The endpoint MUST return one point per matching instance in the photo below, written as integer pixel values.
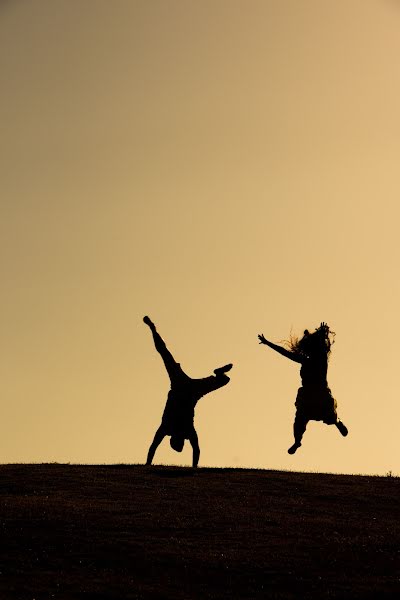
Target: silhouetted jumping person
(314, 400)
(178, 416)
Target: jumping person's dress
(314, 401)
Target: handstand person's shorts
(178, 426)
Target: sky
(227, 167)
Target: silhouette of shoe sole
(342, 428)
(223, 369)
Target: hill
(129, 532)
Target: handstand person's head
(176, 442)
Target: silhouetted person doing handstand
(178, 416)
(314, 400)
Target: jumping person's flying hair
(314, 400)
(178, 416)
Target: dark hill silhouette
(125, 532)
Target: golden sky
(227, 167)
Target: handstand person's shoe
(150, 323)
(342, 428)
(223, 369)
(293, 448)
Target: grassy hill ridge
(130, 532)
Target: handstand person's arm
(194, 440)
(158, 438)
(287, 353)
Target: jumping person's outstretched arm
(292, 355)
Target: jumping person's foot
(293, 448)
(342, 428)
(223, 369)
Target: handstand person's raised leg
(170, 363)
(158, 438)
(213, 382)
(299, 427)
(194, 440)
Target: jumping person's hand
(262, 339)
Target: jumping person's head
(311, 344)
(176, 442)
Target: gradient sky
(227, 167)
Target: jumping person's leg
(299, 427)
(194, 440)
(158, 438)
(329, 414)
(170, 363)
